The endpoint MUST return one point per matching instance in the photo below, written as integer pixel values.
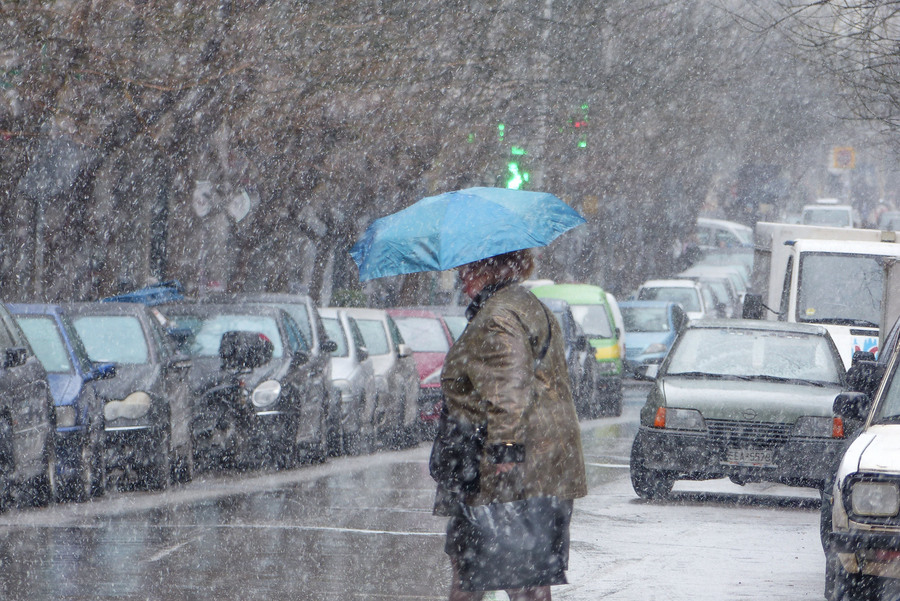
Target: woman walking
(507, 376)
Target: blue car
(80, 452)
(650, 330)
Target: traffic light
(516, 176)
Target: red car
(430, 339)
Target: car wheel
(648, 483)
(159, 472)
(841, 585)
(46, 485)
(78, 487)
(7, 464)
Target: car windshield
(423, 334)
(645, 319)
(594, 320)
(456, 324)
(335, 332)
(755, 353)
(113, 338)
(207, 331)
(859, 278)
(373, 333)
(47, 342)
(688, 298)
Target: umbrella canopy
(455, 228)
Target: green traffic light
(517, 178)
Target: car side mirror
(181, 337)
(404, 350)
(15, 357)
(753, 307)
(329, 346)
(581, 343)
(362, 353)
(646, 372)
(245, 350)
(865, 375)
(862, 356)
(852, 407)
(102, 371)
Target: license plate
(754, 457)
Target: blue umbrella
(455, 228)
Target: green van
(593, 311)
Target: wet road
(361, 528)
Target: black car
(581, 362)
(249, 412)
(302, 308)
(27, 421)
(147, 406)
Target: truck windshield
(842, 289)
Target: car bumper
(429, 404)
(805, 462)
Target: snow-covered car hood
(752, 400)
(877, 450)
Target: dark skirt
(523, 569)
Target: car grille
(760, 435)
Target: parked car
(430, 339)
(265, 409)
(743, 399)
(397, 415)
(831, 215)
(696, 301)
(147, 406)
(80, 444)
(354, 377)
(27, 421)
(889, 220)
(579, 358)
(591, 307)
(650, 329)
(726, 303)
(720, 233)
(860, 518)
(305, 313)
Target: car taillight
(660, 421)
(837, 428)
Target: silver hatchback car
(397, 416)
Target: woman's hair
(513, 266)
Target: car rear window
(207, 331)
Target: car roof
(411, 312)
(367, 313)
(555, 303)
(209, 308)
(761, 325)
(576, 294)
(259, 297)
(671, 283)
(34, 308)
(646, 303)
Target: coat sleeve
(502, 373)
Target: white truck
(830, 276)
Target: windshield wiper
(766, 378)
(843, 321)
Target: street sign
(843, 158)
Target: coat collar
(482, 297)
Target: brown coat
(489, 376)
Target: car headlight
(134, 406)
(434, 378)
(679, 419)
(656, 347)
(266, 393)
(819, 427)
(65, 416)
(875, 499)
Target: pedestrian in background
(507, 376)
